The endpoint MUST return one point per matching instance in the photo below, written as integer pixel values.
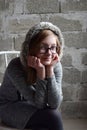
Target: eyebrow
(48, 45)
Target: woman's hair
(32, 43)
(37, 39)
(34, 48)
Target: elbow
(60, 99)
(56, 103)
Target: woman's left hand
(55, 60)
(35, 63)
(49, 68)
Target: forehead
(49, 40)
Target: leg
(49, 119)
(39, 129)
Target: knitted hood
(34, 31)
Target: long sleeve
(54, 87)
(36, 93)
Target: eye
(42, 47)
(53, 48)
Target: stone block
(11, 6)
(71, 75)
(44, 17)
(41, 6)
(71, 109)
(84, 58)
(14, 7)
(2, 64)
(22, 24)
(18, 42)
(77, 40)
(19, 7)
(66, 60)
(1, 77)
(82, 92)
(68, 93)
(2, 5)
(7, 6)
(73, 5)
(6, 44)
(66, 22)
(84, 76)
(0, 23)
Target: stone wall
(17, 16)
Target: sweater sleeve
(54, 87)
(34, 94)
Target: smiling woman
(31, 90)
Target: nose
(48, 51)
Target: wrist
(41, 73)
(49, 71)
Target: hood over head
(34, 31)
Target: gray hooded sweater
(19, 100)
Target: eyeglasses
(44, 49)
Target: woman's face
(47, 49)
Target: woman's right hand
(35, 63)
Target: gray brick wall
(17, 16)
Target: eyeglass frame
(45, 49)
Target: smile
(47, 59)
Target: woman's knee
(54, 113)
(55, 119)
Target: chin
(46, 63)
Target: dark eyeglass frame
(45, 49)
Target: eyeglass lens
(44, 49)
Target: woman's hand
(55, 60)
(49, 68)
(35, 63)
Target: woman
(31, 91)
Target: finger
(35, 61)
(38, 61)
(55, 57)
(31, 61)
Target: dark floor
(69, 124)
(75, 124)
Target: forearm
(41, 73)
(49, 71)
(54, 92)
(54, 86)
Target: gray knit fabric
(19, 101)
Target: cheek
(41, 57)
(38, 56)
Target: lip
(47, 59)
